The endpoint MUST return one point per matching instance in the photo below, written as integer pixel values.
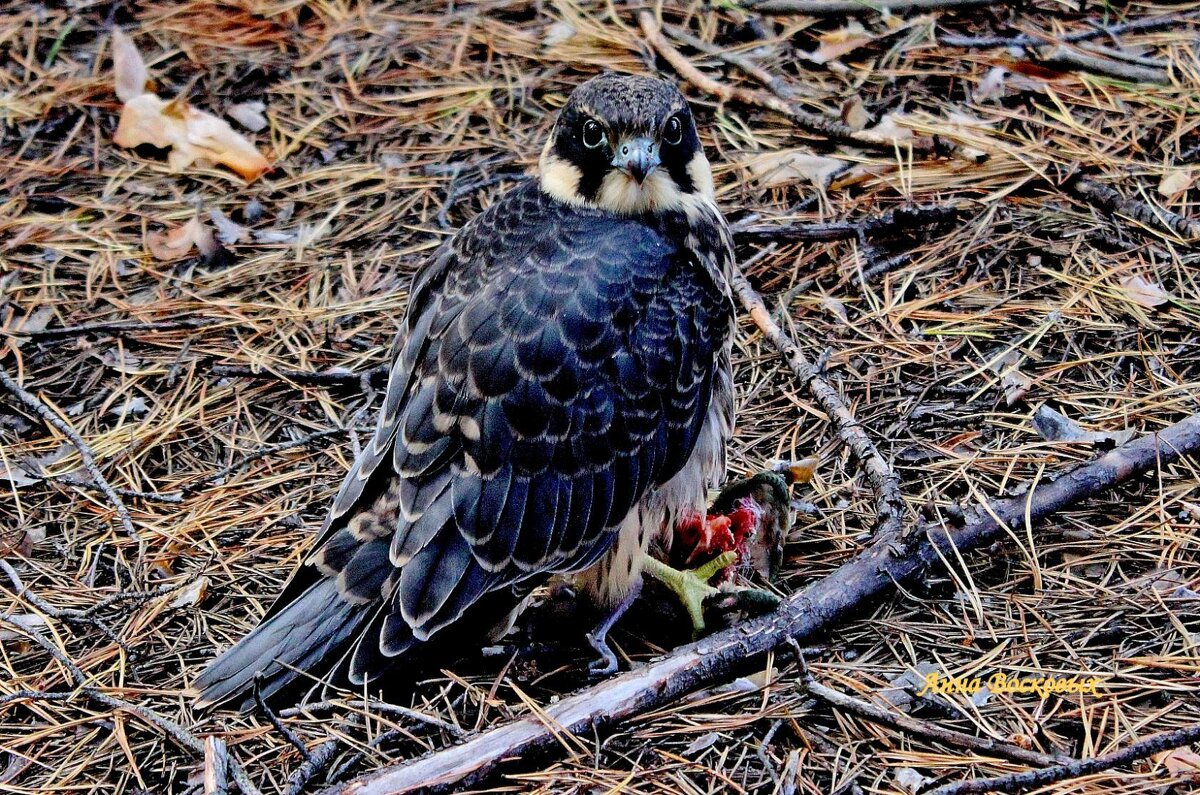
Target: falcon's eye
(673, 132)
(593, 134)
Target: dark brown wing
(554, 364)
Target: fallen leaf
(192, 135)
(178, 242)
(249, 115)
(701, 743)
(20, 541)
(1175, 182)
(802, 471)
(130, 75)
(786, 166)
(890, 128)
(192, 595)
(992, 84)
(840, 42)
(1181, 763)
(836, 308)
(228, 232)
(854, 113)
(28, 622)
(558, 33)
(1054, 426)
(909, 780)
(15, 475)
(1144, 292)
(1014, 382)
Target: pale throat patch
(620, 193)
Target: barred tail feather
(309, 630)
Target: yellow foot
(690, 585)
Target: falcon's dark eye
(673, 132)
(593, 134)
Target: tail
(309, 630)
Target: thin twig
(825, 8)
(261, 452)
(113, 327)
(820, 125)
(1018, 782)
(899, 220)
(372, 706)
(274, 720)
(889, 502)
(1109, 200)
(907, 723)
(1096, 63)
(39, 407)
(315, 762)
(773, 83)
(341, 377)
(1030, 40)
(170, 498)
(169, 727)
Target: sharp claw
(607, 662)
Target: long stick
(1019, 782)
(820, 606)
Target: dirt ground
(221, 394)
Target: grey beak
(637, 157)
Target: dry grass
(390, 125)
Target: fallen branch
(39, 407)
(907, 723)
(820, 125)
(117, 327)
(899, 220)
(861, 582)
(1111, 201)
(773, 83)
(375, 377)
(1096, 63)
(1016, 782)
(826, 8)
(1029, 40)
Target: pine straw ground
(388, 127)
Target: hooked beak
(637, 157)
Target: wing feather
(554, 365)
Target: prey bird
(560, 394)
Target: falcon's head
(627, 144)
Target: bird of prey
(560, 392)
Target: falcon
(560, 394)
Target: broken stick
(820, 606)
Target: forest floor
(220, 394)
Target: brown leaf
(786, 166)
(840, 42)
(1175, 181)
(249, 115)
(1014, 382)
(1054, 426)
(1181, 763)
(854, 114)
(802, 471)
(178, 242)
(130, 75)
(192, 595)
(1144, 292)
(192, 135)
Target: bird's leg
(598, 637)
(690, 585)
